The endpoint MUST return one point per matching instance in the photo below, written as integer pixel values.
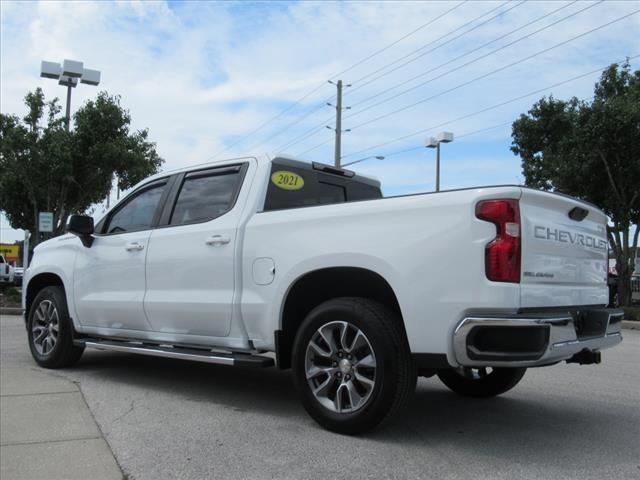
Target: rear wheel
(50, 330)
(481, 381)
(351, 365)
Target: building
(11, 252)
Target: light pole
(434, 142)
(377, 157)
(68, 75)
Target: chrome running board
(193, 354)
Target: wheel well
(318, 286)
(36, 284)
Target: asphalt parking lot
(174, 419)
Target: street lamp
(434, 142)
(68, 75)
(377, 157)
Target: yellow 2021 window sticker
(287, 180)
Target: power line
(308, 133)
(420, 147)
(264, 124)
(377, 52)
(297, 102)
(458, 137)
(464, 55)
(483, 110)
(298, 120)
(438, 46)
(406, 107)
(485, 129)
(313, 148)
(318, 128)
(321, 126)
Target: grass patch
(10, 297)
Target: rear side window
(329, 193)
(137, 213)
(293, 187)
(362, 191)
(205, 196)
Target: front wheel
(482, 381)
(351, 365)
(50, 330)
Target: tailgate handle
(578, 213)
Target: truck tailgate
(564, 251)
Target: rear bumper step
(193, 354)
(523, 340)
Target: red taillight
(502, 254)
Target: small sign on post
(45, 221)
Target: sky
(201, 76)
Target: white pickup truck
(233, 261)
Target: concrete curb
(10, 311)
(630, 325)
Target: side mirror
(82, 226)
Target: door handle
(133, 246)
(217, 240)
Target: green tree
(591, 150)
(46, 168)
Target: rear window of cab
(291, 186)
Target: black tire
(394, 377)
(63, 353)
(467, 382)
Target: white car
(358, 294)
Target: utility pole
(338, 129)
(438, 167)
(338, 153)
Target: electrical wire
(499, 14)
(378, 52)
(272, 119)
(318, 128)
(483, 110)
(308, 133)
(313, 148)
(464, 55)
(297, 102)
(288, 126)
(468, 82)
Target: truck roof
(280, 159)
(323, 167)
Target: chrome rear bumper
(529, 340)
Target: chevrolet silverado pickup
(279, 262)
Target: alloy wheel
(340, 367)
(46, 324)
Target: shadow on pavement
(508, 426)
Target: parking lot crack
(129, 410)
